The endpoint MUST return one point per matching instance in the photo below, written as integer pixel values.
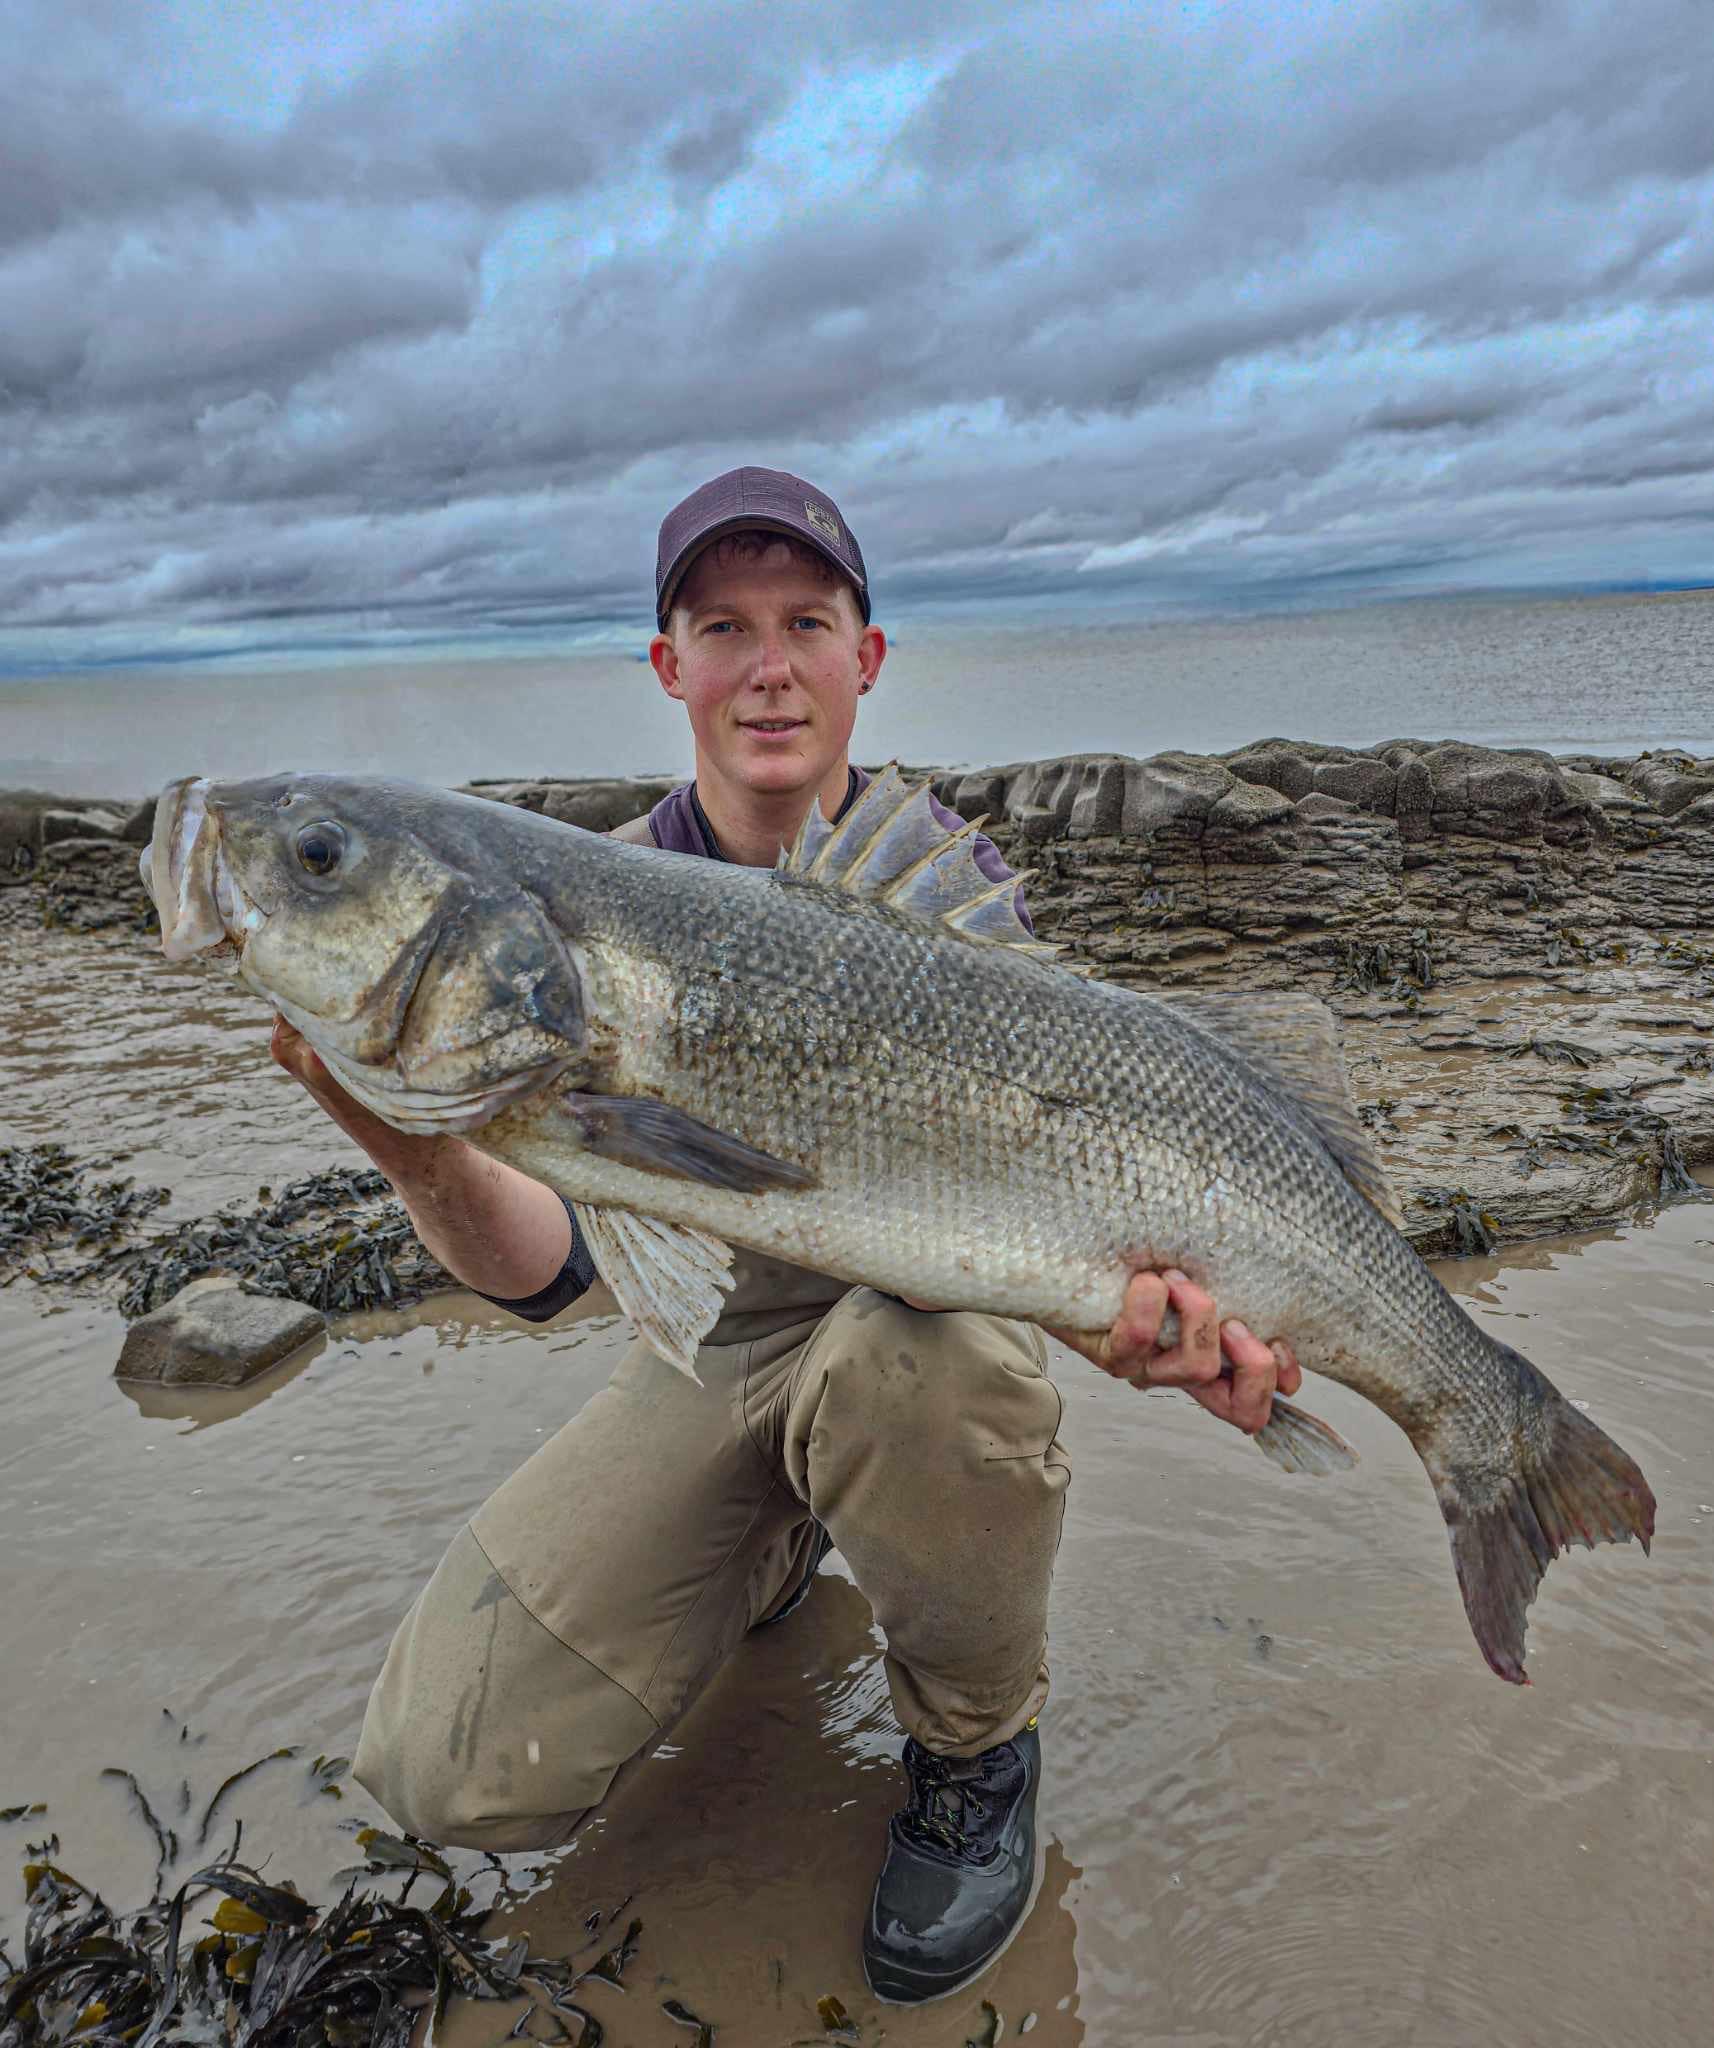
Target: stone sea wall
(1520, 947)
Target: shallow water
(1285, 1801)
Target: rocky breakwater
(1520, 947)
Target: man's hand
(1223, 1366)
(489, 1225)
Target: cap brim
(751, 522)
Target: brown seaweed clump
(269, 1969)
(47, 1199)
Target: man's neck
(751, 827)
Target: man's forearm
(489, 1225)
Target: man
(589, 1601)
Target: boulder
(1275, 764)
(214, 1334)
(139, 826)
(1173, 790)
(1672, 782)
(1368, 785)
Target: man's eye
(805, 620)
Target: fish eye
(319, 847)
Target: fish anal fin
(667, 1278)
(654, 1137)
(1299, 1442)
(892, 848)
(1293, 1042)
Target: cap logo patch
(824, 521)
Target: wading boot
(960, 1871)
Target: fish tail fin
(1297, 1442)
(1569, 1484)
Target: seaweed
(366, 1256)
(47, 1199)
(272, 1969)
(1473, 1229)
(1377, 969)
(1560, 1051)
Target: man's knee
(909, 1378)
(484, 1729)
(943, 1357)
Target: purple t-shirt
(680, 825)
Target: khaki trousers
(585, 1606)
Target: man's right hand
(392, 1151)
(488, 1224)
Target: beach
(1284, 1799)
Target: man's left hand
(1225, 1367)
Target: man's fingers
(1291, 1373)
(1132, 1337)
(1255, 1372)
(1195, 1361)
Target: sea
(1612, 674)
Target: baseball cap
(771, 499)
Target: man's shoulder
(637, 831)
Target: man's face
(769, 660)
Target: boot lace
(957, 1803)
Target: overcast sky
(341, 323)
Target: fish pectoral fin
(1293, 1042)
(667, 1278)
(654, 1137)
(1297, 1442)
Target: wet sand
(1284, 1802)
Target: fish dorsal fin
(1294, 1043)
(891, 848)
(667, 1277)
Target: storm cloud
(403, 324)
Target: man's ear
(663, 659)
(871, 652)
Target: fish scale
(862, 1062)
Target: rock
(94, 823)
(213, 1334)
(1275, 764)
(1171, 790)
(1319, 804)
(1671, 783)
(596, 806)
(1246, 805)
(139, 827)
(1369, 785)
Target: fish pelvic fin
(1298, 1442)
(1292, 1041)
(891, 848)
(1571, 1484)
(668, 1278)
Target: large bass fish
(862, 1063)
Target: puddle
(1284, 1799)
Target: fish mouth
(199, 900)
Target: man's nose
(773, 661)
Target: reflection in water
(203, 1407)
(1285, 1801)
